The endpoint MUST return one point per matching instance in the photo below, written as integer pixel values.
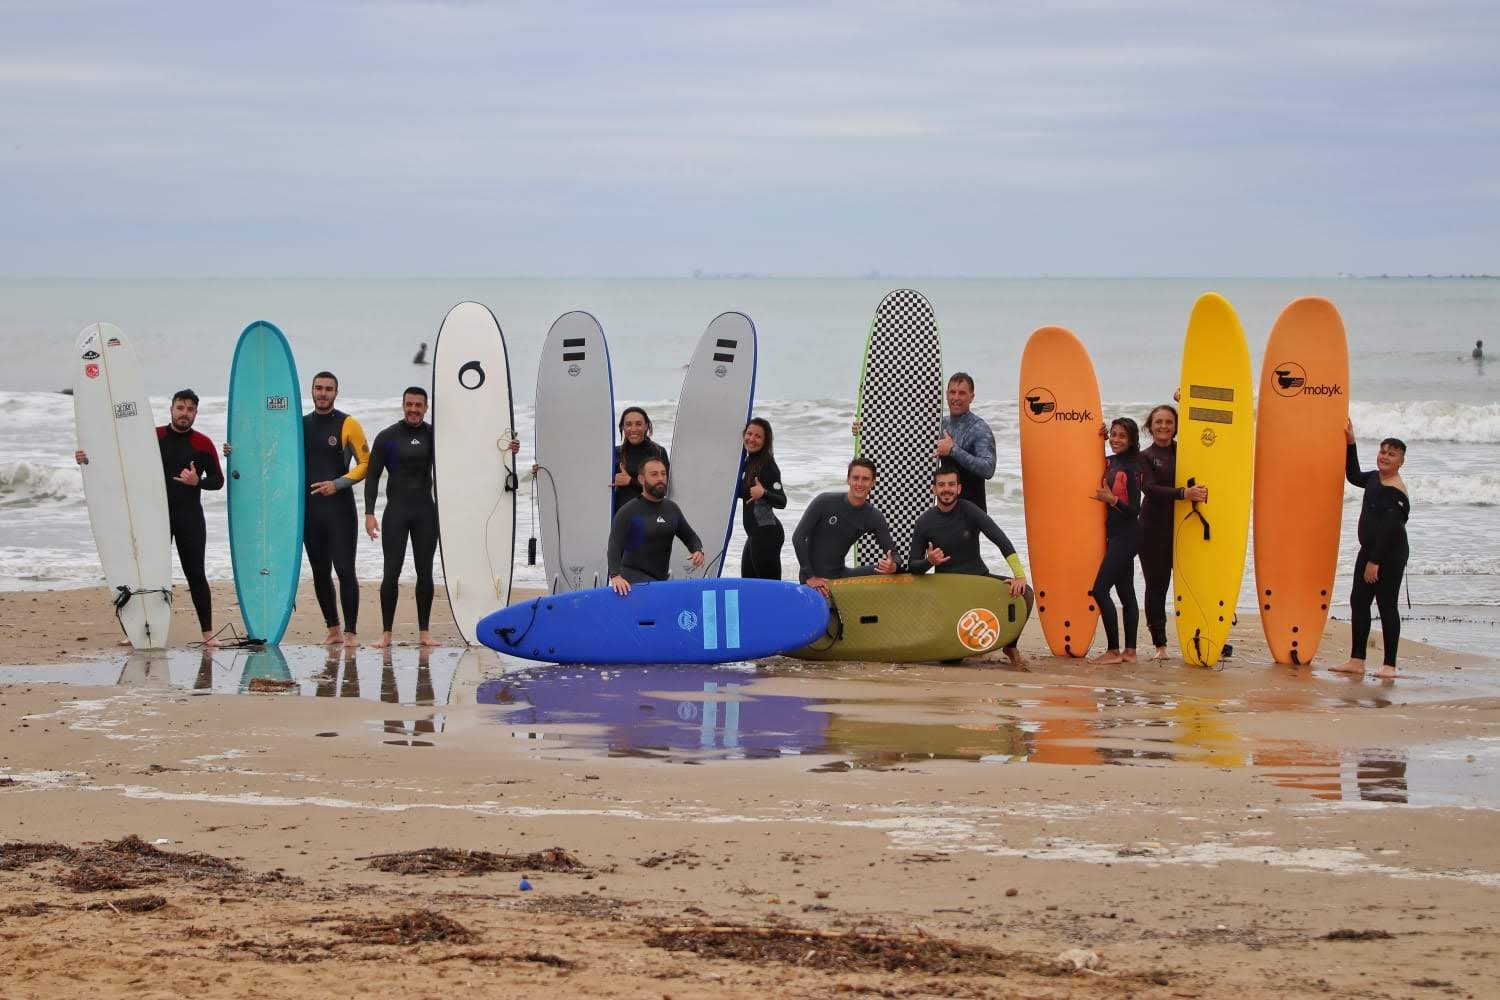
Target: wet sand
(1202, 833)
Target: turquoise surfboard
(267, 480)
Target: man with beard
(640, 537)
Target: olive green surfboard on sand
(900, 618)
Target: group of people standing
(1138, 488)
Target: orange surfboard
(1062, 464)
(1299, 475)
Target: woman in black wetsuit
(1382, 551)
(760, 489)
(1160, 489)
(634, 448)
(1121, 490)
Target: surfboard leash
(836, 633)
(235, 641)
(1188, 592)
(505, 634)
(123, 594)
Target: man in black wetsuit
(946, 539)
(640, 536)
(832, 524)
(191, 465)
(404, 451)
(331, 440)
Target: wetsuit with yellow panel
(336, 452)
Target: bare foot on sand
(1109, 656)
(1128, 656)
(1386, 673)
(209, 640)
(426, 639)
(1160, 653)
(350, 640)
(1350, 666)
(385, 641)
(332, 638)
(1015, 656)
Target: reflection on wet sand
(871, 717)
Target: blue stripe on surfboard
(731, 619)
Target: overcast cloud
(804, 138)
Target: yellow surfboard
(1062, 460)
(1216, 450)
(1299, 475)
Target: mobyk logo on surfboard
(1041, 408)
(125, 409)
(687, 621)
(1291, 380)
(277, 403)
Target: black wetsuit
(185, 509)
(829, 528)
(1160, 493)
(957, 533)
(633, 455)
(404, 452)
(764, 535)
(330, 525)
(1382, 541)
(1122, 532)
(640, 539)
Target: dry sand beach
(953, 831)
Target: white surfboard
(123, 482)
(575, 432)
(474, 471)
(708, 439)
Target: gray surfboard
(575, 407)
(708, 438)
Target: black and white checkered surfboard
(900, 413)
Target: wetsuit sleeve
(687, 534)
(1392, 525)
(916, 557)
(802, 539)
(210, 473)
(775, 495)
(374, 466)
(1351, 467)
(991, 530)
(979, 458)
(882, 532)
(1154, 487)
(355, 448)
(619, 528)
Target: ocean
(1410, 340)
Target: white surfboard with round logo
(123, 482)
(474, 470)
(708, 439)
(575, 407)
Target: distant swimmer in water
(1478, 354)
(421, 358)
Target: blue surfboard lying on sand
(675, 621)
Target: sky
(808, 138)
